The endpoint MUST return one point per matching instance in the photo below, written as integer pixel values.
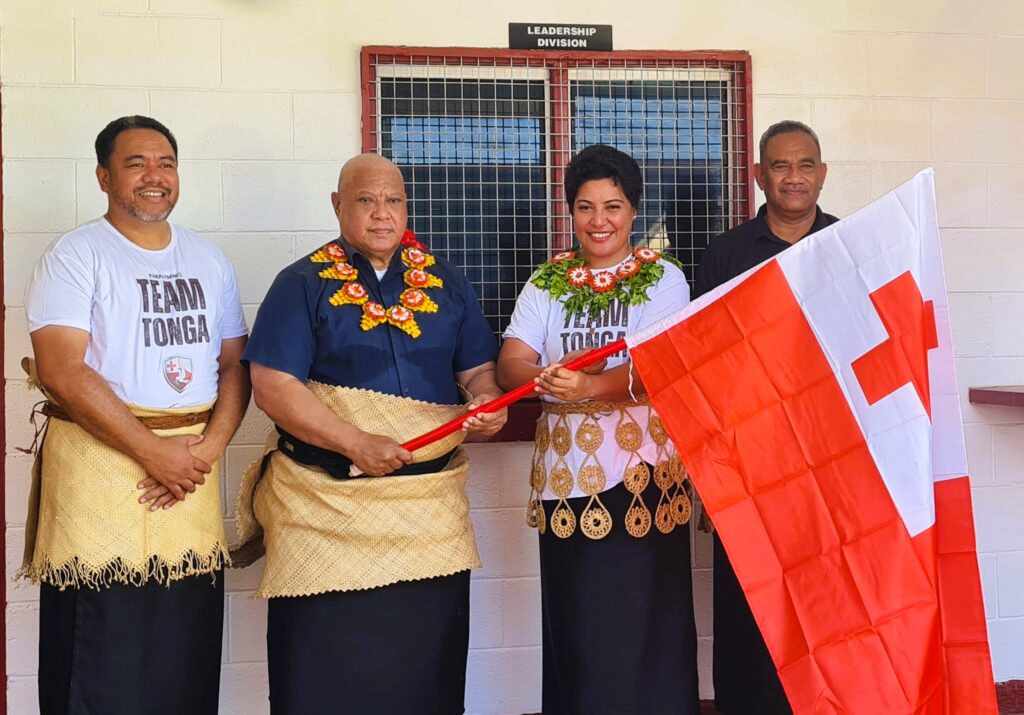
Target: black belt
(337, 465)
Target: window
(483, 137)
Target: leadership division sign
(547, 36)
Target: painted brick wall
(264, 99)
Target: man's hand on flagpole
(376, 455)
(618, 383)
(480, 383)
(485, 424)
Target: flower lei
(591, 291)
(353, 292)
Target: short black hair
(786, 126)
(600, 161)
(105, 139)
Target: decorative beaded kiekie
(595, 521)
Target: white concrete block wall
(265, 100)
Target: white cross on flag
(814, 402)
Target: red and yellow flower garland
(583, 290)
(353, 292)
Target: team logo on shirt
(178, 372)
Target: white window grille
(483, 137)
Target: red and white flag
(814, 402)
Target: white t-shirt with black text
(541, 322)
(155, 319)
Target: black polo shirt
(741, 248)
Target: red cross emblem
(903, 357)
(178, 372)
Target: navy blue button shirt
(299, 332)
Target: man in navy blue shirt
(375, 313)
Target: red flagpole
(508, 398)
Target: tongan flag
(814, 401)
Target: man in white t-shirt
(137, 331)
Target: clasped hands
(176, 466)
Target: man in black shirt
(791, 175)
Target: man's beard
(148, 217)
(143, 215)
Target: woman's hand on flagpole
(592, 369)
(566, 385)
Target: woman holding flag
(609, 496)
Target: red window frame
(523, 415)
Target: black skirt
(746, 682)
(395, 650)
(618, 629)
(126, 650)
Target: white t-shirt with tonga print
(541, 322)
(155, 319)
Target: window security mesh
(483, 137)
